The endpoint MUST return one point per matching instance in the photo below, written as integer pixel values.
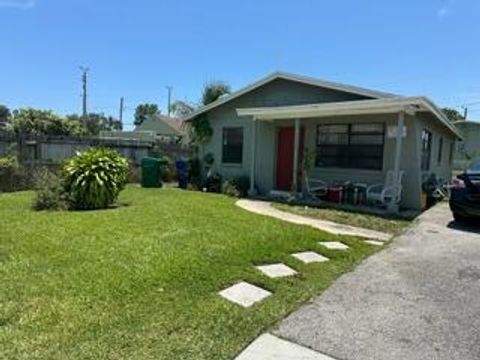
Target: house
(163, 128)
(264, 129)
(155, 128)
(468, 149)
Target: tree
(452, 114)
(181, 108)
(96, 122)
(44, 122)
(200, 129)
(5, 114)
(213, 91)
(143, 111)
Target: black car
(465, 195)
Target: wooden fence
(46, 150)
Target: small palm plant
(94, 178)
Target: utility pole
(169, 89)
(84, 90)
(465, 112)
(122, 101)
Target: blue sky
(136, 48)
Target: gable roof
(295, 78)
(161, 124)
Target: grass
(368, 221)
(141, 281)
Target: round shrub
(49, 192)
(237, 187)
(94, 178)
(230, 189)
(12, 175)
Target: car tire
(459, 218)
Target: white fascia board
(380, 106)
(441, 116)
(329, 109)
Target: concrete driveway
(417, 299)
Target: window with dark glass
(440, 151)
(232, 150)
(426, 149)
(358, 146)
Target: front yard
(141, 281)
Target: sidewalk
(265, 208)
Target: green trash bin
(152, 172)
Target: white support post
(398, 152)
(296, 145)
(399, 141)
(252, 191)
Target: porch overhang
(407, 105)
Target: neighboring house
(263, 130)
(154, 128)
(164, 128)
(468, 149)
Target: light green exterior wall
(409, 162)
(276, 93)
(443, 169)
(282, 92)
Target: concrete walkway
(419, 299)
(265, 208)
(269, 347)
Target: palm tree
(214, 90)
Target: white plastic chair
(388, 193)
(316, 187)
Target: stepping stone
(276, 270)
(373, 242)
(308, 257)
(244, 294)
(269, 347)
(334, 245)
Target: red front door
(286, 139)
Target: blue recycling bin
(182, 173)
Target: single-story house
(264, 129)
(467, 150)
(163, 128)
(155, 128)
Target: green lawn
(368, 221)
(141, 281)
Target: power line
(472, 103)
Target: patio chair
(316, 188)
(388, 193)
